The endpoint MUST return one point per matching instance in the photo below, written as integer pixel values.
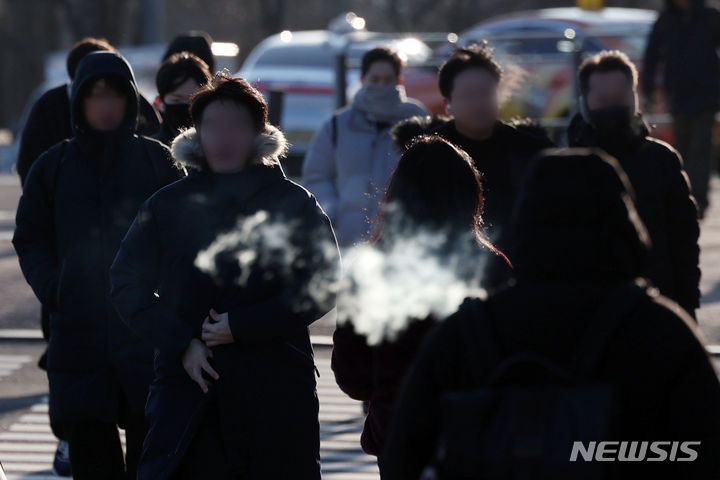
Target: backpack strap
(619, 307)
(334, 134)
(56, 155)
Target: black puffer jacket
(187, 244)
(78, 202)
(665, 205)
(501, 160)
(686, 43)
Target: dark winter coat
(374, 374)
(72, 215)
(501, 160)
(49, 123)
(568, 262)
(665, 205)
(266, 394)
(665, 384)
(686, 43)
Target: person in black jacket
(222, 273)
(579, 238)
(610, 120)
(685, 40)
(79, 200)
(178, 78)
(469, 82)
(434, 191)
(48, 124)
(49, 121)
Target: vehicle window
(632, 45)
(541, 43)
(297, 55)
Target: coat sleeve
(309, 294)
(654, 53)
(134, 278)
(34, 237)
(319, 172)
(36, 137)
(351, 362)
(683, 233)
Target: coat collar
(270, 147)
(582, 134)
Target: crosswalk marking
(28, 446)
(10, 363)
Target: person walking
(435, 192)
(78, 201)
(178, 78)
(610, 120)
(222, 273)
(469, 82)
(684, 40)
(352, 156)
(577, 350)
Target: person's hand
(195, 360)
(429, 473)
(216, 329)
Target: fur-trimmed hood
(270, 147)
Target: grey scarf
(384, 103)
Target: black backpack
(522, 419)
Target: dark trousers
(96, 452)
(205, 457)
(56, 427)
(693, 139)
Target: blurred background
(305, 55)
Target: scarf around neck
(384, 103)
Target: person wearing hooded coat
(663, 198)
(579, 239)
(685, 40)
(79, 199)
(50, 122)
(259, 417)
